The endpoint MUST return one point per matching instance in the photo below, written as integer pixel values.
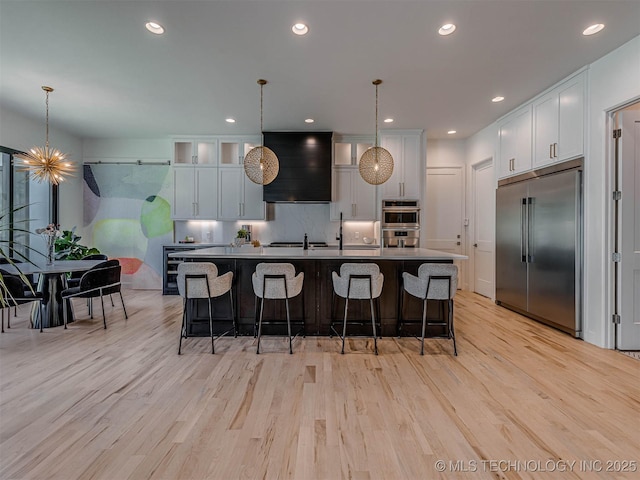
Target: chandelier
(46, 163)
(261, 163)
(376, 163)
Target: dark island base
(318, 298)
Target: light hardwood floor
(520, 400)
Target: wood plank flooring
(521, 401)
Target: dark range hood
(305, 167)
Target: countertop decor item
(376, 163)
(261, 163)
(46, 163)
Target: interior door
(483, 228)
(629, 330)
(444, 211)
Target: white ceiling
(114, 79)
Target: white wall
(22, 133)
(613, 81)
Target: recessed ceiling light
(309, 120)
(230, 120)
(388, 120)
(497, 99)
(300, 29)
(451, 132)
(154, 27)
(447, 29)
(593, 29)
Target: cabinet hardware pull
(457, 243)
(555, 150)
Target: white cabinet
(348, 149)
(239, 197)
(352, 196)
(233, 149)
(558, 123)
(514, 143)
(195, 194)
(195, 151)
(406, 150)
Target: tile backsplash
(290, 222)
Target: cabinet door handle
(551, 150)
(353, 210)
(193, 209)
(555, 150)
(242, 208)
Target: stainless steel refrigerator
(539, 245)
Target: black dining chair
(97, 282)
(74, 278)
(16, 292)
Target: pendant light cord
(47, 121)
(376, 114)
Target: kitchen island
(317, 265)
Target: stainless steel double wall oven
(401, 223)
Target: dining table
(52, 280)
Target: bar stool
(359, 281)
(435, 281)
(277, 281)
(200, 280)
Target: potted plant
(241, 237)
(68, 248)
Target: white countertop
(248, 251)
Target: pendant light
(376, 163)
(46, 164)
(261, 164)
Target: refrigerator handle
(524, 234)
(530, 229)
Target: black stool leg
(344, 324)
(373, 324)
(424, 324)
(260, 324)
(286, 301)
(183, 327)
(211, 326)
(233, 315)
(451, 331)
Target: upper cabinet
(559, 118)
(233, 149)
(514, 143)
(548, 129)
(201, 151)
(239, 197)
(348, 149)
(352, 196)
(406, 149)
(195, 193)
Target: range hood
(305, 167)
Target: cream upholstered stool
(435, 281)
(359, 281)
(277, 281)
(200, 280)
